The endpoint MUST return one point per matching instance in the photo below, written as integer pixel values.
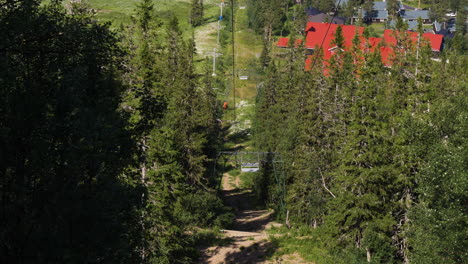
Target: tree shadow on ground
(245, 207)
(239, 200)
(209, 19)
(256, 253)
(208, 239)
(239, 137)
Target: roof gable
(413, 25)
(311, 11)
(282, 42)
(324, 17)
(323, 33)
(380, 5)
(376, 14)
(414, 14)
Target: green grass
(414, 3)
(377, 29)
(119, 11)
(305, 241)
(248, 47)
(248, 179)
(234, 172)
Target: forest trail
(249, 242)
(248, 238)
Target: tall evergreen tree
(173, 114)
(361, 214)
(196, 13)
(65, 194)
(437, 141)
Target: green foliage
(106, 141)
(196, 13)
(368, 5)
(108, 136)
(338, 39)
(439, 219)
(66, 193)
(393, 6)
(248, 179)
(308, 243)
(360, 156)
(202, 209)
(267, 17)
(173, 112)
(325, 5)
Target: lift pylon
(251, 161)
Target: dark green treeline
(105, 138)
(376, 156)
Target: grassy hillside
(248, 45)
(119, 11)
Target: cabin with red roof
(435, 40)
(284, 43)
(323, 34)
(318, 33)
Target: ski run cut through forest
(233, 131)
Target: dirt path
(205, 38)
(249, 242)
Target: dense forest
(376, 156)
(105, 138)
(108, 137)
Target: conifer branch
(324, 185)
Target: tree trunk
(287, 220)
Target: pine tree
(361, 214)
(393, 6)
(173, 114)
(308, 188)
(196, 13)
(65, 148)
(435, 138)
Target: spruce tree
(65, 147)
(196, 13)
(361, 214)
(436, 139)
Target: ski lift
(249, 167)
(250, 162)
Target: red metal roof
(434, 39)
(284, 42)
(374, 41)
(386, 54)
(317, 33)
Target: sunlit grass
(302, 240)
(414, 3)
(119, 11)
(377, 29)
